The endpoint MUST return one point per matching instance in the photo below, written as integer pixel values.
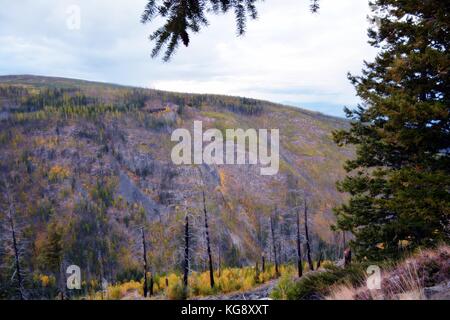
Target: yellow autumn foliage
(49, 142)
(222, 178)
(119, 291)
(227, 281)
(175, 290)
(46, 281)
(58, 173)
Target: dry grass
(228, 281)
(406, 281)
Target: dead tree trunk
(274, 246)
(62, 280)
(152, 283)
(257, 272)
(16, 258)
(319, 261)
(344, 243)
(347, 257)
(263, 267)
(299, 248)
(219, 264)
(144, 246)
(208, 244)
(308, 246)
(15, 246)
(186, 253)
(100, 260)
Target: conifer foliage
(183, 17)
(399, 182)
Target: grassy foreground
(410, 278)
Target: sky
(287, 55)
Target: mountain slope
(91, 162)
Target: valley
(88, 166)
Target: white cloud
(287, 55)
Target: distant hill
(92, 161)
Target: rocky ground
(259, 293)
(439, 292)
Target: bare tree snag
(344, 243)
(274, 246)
(263, 267)
(186, 253)
(15, 246)
(208, 244)
(219, 264)
(308, 246)
(152, 282)
(100, 260)
(16, 257)
(144, 246)
(319, 261)
(299, 248)
(347, 257)
(62, 280)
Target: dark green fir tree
(399, 181)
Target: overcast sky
(288, 55)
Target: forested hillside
(86, 179)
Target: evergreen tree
(399, 182)
(53, 249)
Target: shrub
(58, 173)
(248, 282)
(285, 285)
(162, 282)
(176, 291)
(119, 291)
(317, 285)
(201, 285)
(230, 281)
(405, 280)
(130, 273)
(103, 192)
